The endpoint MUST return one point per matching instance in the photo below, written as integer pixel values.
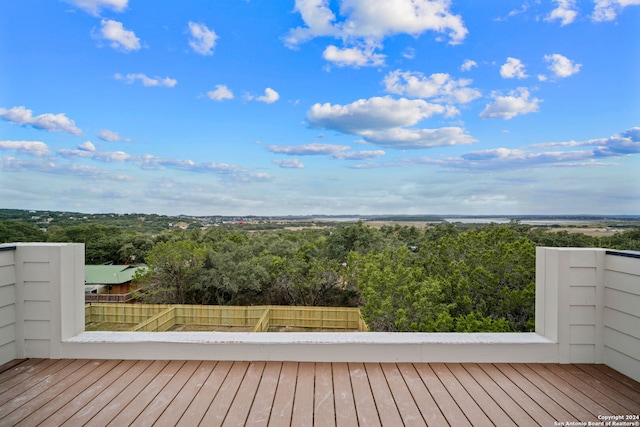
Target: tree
(14, 231)
(174, 267)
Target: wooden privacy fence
(159, 318)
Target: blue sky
(248, 107)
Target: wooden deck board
(122, 400)
(95, 371)
(283, 400)
(363, 397)
(208, 393)
(447, 405)
(343, 396)
(530, 406)
(407, 407)
(324, 413)
(303, 401)
(263, 402)
(550, 406)
(472, 411)
(486, 393)
(422, 396)
(205, 395)
(241, 405)
(219, 408)
(592, 393)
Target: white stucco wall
(8, 312)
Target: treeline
(441, 278)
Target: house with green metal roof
(116, 279)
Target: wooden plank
(402, 396)
(608, 405)
(263, 402)
(421, 395)
(157, 406)
(568, 389)
(631, 405)
(447, 405)
(324, 410)
(18, 384)
(555, 409)
(620, 377)
(83, 400)
(117, 404)
(365, 404)
(219, 407)
(178, 406)
(545, 383)
(106, 396)
(502, 399)
(470, 408)
(239, 410)
(386, 406)
(343, 396)
(488, 395)
(12, 411)
(200, 403)
(283, 400)
(530, 406)
(10, 366)
(303, 403)
(147, 395)
(61, 393)
(27, 366)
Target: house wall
(46, 285)
(8, 310)
(588, 301)
(621, 334)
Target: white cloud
(87, 146)
(270, 96)
(146, 81)
(11, 164)
(565, 12)
(86, 151)
(440, 86)
(377, 113)
(33, 148)
(513, 68)
(608, 10)
(339, 152)
(111, 136)
(419, 138)
(289, 164)
(620, 145)
(203, 39)
(353, 56)
(468, 64)
(373, 20)
(120, 38)
(359, 155)
(561, 66)
(49, 122)
(221, 92)
(514, 104)
(94, 6)
(313, 149)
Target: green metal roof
(110, 274)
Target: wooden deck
(208, 393)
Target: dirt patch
(587, 231)
(107, 326)
(210, 328)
